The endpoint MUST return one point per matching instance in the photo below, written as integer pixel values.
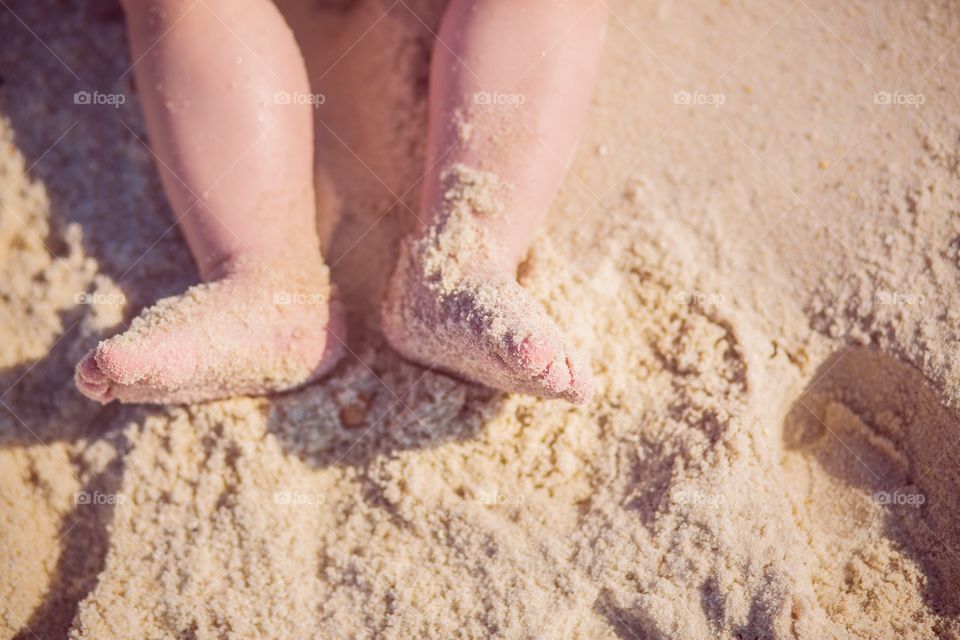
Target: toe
(533, 355)
(91, 381)
(581, 386)
(88, 371)
(556, 377)
(122, 364)
(556, 374)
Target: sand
(757, 247)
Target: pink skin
(521, 75)
(213, 354)
(236, 166)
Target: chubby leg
(510, 87)
(223, 88)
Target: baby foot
(251, 332)
(458, 314)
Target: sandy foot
(248, 333)
(479, 323)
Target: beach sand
(756, 246)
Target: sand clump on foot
(451, 305)
(256, 331)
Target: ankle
(221, 268)
(474, 248)
(293, 265)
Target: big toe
(550, 368)
(121, 364)
(90, 380)
(533, 355)
(580, 389)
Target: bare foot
(466, 314)
(250, 332)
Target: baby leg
(510, 88)
(223, 88)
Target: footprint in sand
(870, 462)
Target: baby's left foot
(248, 333)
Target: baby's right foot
(251, 332)
(466, 315)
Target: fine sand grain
(757, 247)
